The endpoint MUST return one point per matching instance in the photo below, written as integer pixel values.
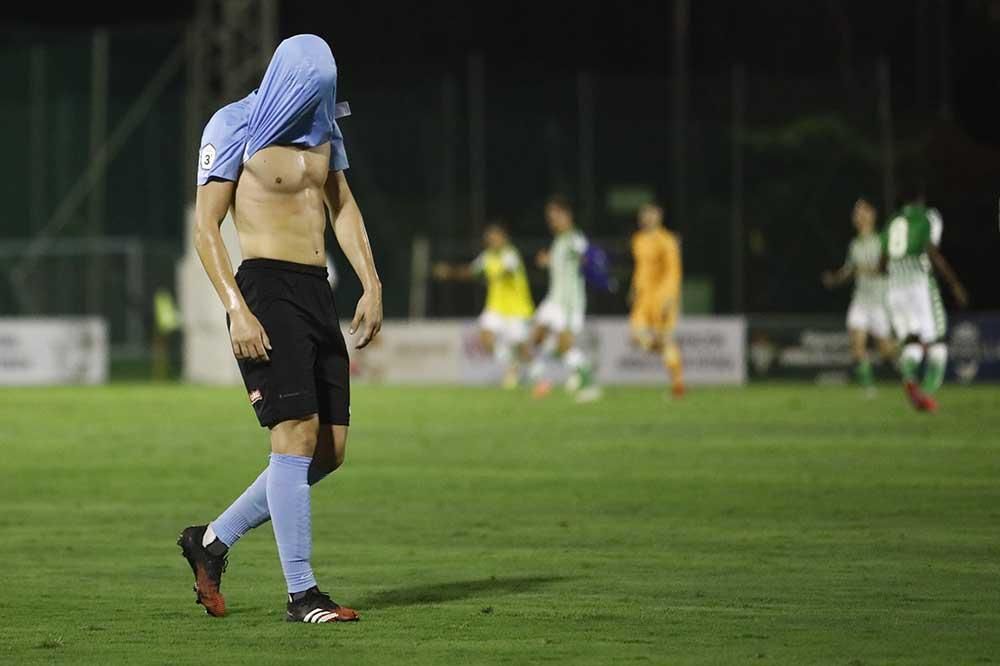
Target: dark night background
(811, 143)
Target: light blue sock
(250, 509)
(247, 512)
(288, 500)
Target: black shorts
(309, 370)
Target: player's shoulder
(230, 117)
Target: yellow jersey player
(504, 322)
(656, 291)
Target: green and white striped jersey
(863, 256)
(905, 240)
(566, 283)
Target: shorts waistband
(279, 265)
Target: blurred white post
(420, 273)
(587, 183)
(37, 129)
(98, 132)
(477, 142)
(885, 118)
(680, 95)
(736, 226)
(136, 306)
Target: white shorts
(916, 310)
(555, 318)
(509, 330)
(871, 318)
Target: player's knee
(296, 437)
(565, 343)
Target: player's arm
(946, 272)
(843, 275)
(212, 202)
(349, 227)
(445, 271)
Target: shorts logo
(255, 396)
(207, 158)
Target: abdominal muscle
(279, 210)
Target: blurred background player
(867, 313)
(910, 252)
(656, 291)
(505, 321)
(559, 320)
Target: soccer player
(867, 313)
(277, 159)
(910, 252)
(656, 292)
(504, 322)
(559, 319)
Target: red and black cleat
(207, 570)
(915, 395)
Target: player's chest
(290, 168)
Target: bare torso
(279, 208)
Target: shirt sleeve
(338, 153)
(478, 264)
(936, 224)
(510, 261)
(222, 143)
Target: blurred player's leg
(671, 355)
(934, 329)
(863, 372)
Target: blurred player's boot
(316, 607)
(678, 390)
(914, 394)
(541, 389)
(207, 568)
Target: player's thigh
(282, 388)
(878, 322)
(332, 377)
(491, 322)
(566, 341)
(296, 437)
(857, 317)
(514, 332)
(902, 312)
(933, 322)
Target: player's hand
(367, 318)
(250, 341)
(827, 279)
(542, 258)
(441, 271)
(961, 296)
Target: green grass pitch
(784, 524)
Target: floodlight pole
(736, 221)
(477, 142)
(885, 118)
(587, 182)
(680, 98)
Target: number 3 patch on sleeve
(207, 158)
